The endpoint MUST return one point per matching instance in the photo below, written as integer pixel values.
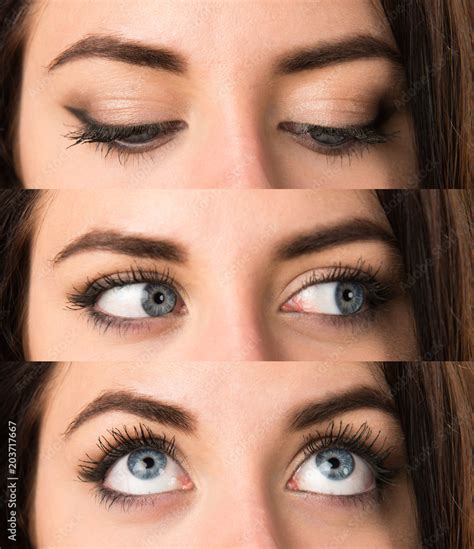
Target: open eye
(329, 298)
(334, 471)
(146, 471)
(138, 300)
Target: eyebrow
(334, 405)
(125, 51)
(333, 53)
(126, 244)
(344, 233)
(138, 405)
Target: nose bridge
(229, 326)
(235, 144)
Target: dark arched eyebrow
(336, 404)
(138, 405)
(333, 53)
(123, 50)
(354, 230)
(161, 58)
(123, 243)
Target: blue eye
(329, 298)
(350, 297)
(158, 299)
(335, 464)
(138, 300)
(146, 471)
(146, 463)
(334, 471)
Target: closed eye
(130, 139)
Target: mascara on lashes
(142, 135)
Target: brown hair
(434, 408)
(433, 234)
(433, 37)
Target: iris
(350, 297)
(146, 463)
(158, 299)
(335, 464)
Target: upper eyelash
(107, 135)
(87, 297)
(369, 134)
(378, 292)
(124, 442)
(363, 136)
(357, 441)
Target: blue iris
(146, 463)
(335, 463)
(158, 299)
(350, 297)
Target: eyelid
(321, 275)
(88, 120)
(133, 275)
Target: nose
(231, 150)
(235, 521)
(223, 338)
(232, 329)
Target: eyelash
(356, 138)
(86, 298)
(107, 137)
(357, 441)
(123, 442)
(377, 293)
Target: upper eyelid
(92, 124)
(172, 282)
(334, 268)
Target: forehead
(222, 27)
(197, 218)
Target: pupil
(335, 463)
(149, 462)
(348, 295)
(158, 298)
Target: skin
(238, 460)
(230, 98)
(234, 288)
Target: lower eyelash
(110, 498)
(122, 442)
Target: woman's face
(282, 455)
(216, 275)
(213, 94)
